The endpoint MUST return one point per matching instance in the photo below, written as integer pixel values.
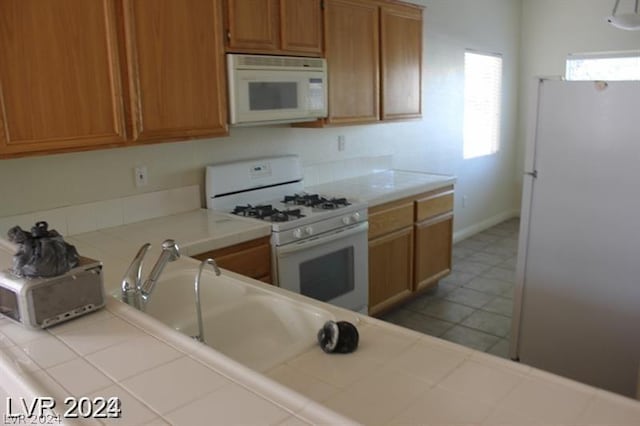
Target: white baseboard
(485, 224)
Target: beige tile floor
(473, 305)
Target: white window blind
(604, 66)
(482, 101)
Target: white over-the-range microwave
(276, 89)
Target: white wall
(551, 29)
(433, 144)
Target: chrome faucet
(170, 252)
(132, 278)
(200, 336)
(134, 291)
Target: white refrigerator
(577, 296)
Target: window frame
(600, 55)
(470, 148)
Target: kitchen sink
(251, 325)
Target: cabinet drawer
(434, 205)
(390, 219)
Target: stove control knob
(297, 233)
(308, 230)
(346, 220)
(355, 217)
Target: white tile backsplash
(109, 213)
(25, 221)
(55, 218)
(319, 173)
(184, 199)
(82, 218)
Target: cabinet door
(433, 250)
(401, 49)
(301, 23)
(60, 81)
(251, 258)
(253, 25)
(176, 67)
(390, 269)
(353, 61)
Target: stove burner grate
(267, 212)
(315, 200)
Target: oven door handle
(312, 242)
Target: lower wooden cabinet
(251, 258)
(390, 269)
(410, 244)
(433, 243)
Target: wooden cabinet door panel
(401, 48)
(301, 23)
(251, 258)
(433, 250)
(60, 80)
(353, 61)
(253, 24)
(176, 59)
(390, 269)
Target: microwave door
(263, 96)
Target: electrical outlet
(140, 176)
(341, 143)
(465, 199)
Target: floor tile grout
(492, 251)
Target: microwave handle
(289, 248)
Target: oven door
(331, 267)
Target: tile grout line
(502, 245)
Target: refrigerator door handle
(533, 174)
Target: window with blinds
(609, 66)
(482, 101)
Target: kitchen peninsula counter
(397, 376)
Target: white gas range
(319, 242)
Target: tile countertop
(384, 186)
(396, 376)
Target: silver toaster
(43, 302)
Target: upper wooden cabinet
(85, 74)
(374, 60)
(60, 78)
(401, 54)
(176, 68)
(292, 27)
(353, 60)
